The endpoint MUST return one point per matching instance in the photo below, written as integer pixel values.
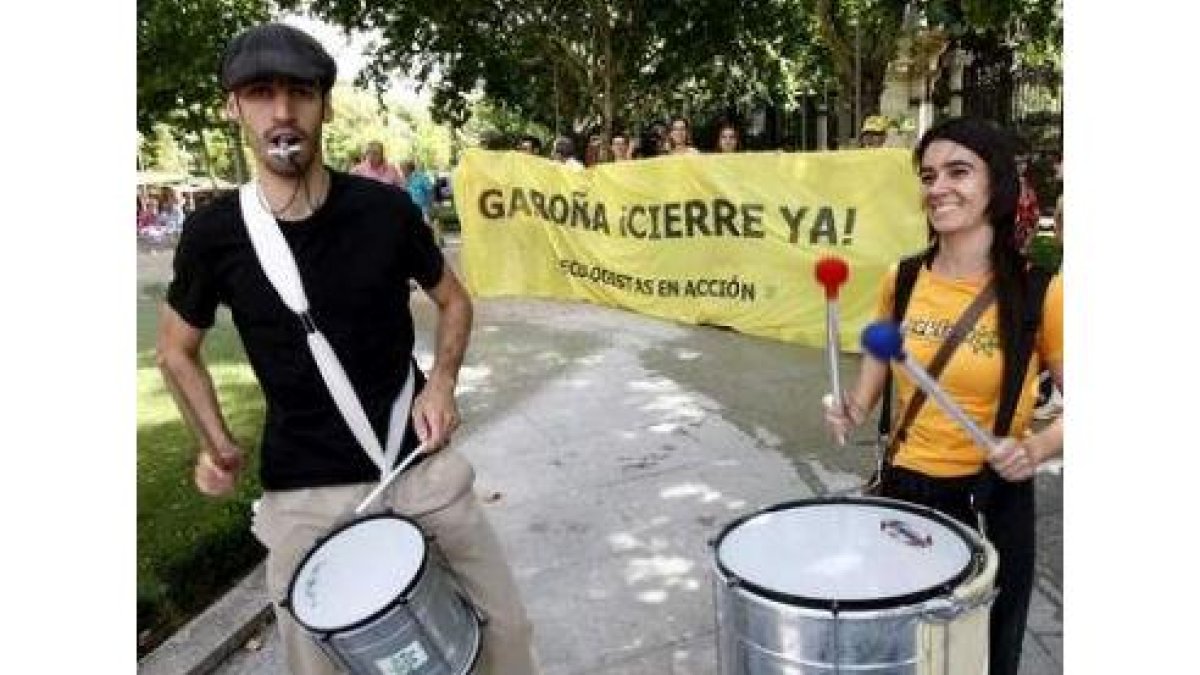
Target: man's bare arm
(188, 380)
(435, 412)
(453, 327)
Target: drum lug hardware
(946, 610)
(943, 610)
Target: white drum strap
(280, 267)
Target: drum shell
(945, 635)
(430, 630)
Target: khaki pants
(437, 494)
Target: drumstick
(884, 341)
(832, 272)
(387, 480)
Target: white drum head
(843, 551)
(357, 572)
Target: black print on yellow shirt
(981, 340)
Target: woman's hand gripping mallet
(831, 272)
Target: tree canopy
(569, 66)
(575, 64)
(179, 48)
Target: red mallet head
(832, 272)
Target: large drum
(379, 601)
(859, 585)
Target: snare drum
(862, 585)
(379, 601)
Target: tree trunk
(875, 48)
(609, 76)
(872, 93)
(845, 116)
(239, 153)
(199, 123)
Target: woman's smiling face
(955, 187)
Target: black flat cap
(276, 50)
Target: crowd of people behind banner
(675, 138)
(160, 214)
(671, 138)
(659, 138)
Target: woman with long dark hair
(969, 190)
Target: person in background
(147, 213)
(621, 150)
(680, 136)
(728, 139)
(596, 153)
(170, 211)
(652, 143)
(531, 145)
(420, 188)
(874, 132)
(376, 167)
(1028, 211)
(564, 151)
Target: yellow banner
(727, 240)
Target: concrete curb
(208, 640)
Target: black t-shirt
(356, 255)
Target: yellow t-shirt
(935, 444)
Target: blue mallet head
(883, 340)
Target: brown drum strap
(961, 328)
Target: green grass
(191, 548)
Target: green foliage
(1035, 27)
(360, 117)
(446, 216)
(221, 149)
(861, 39)
(1045, 251)
(190, 547)
(163, 150)
(582, 63)
(179, 48)
(495, 125)
(862, 36)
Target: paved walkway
(611, 447)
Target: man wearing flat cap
(356, 244)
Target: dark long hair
(997, 149)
